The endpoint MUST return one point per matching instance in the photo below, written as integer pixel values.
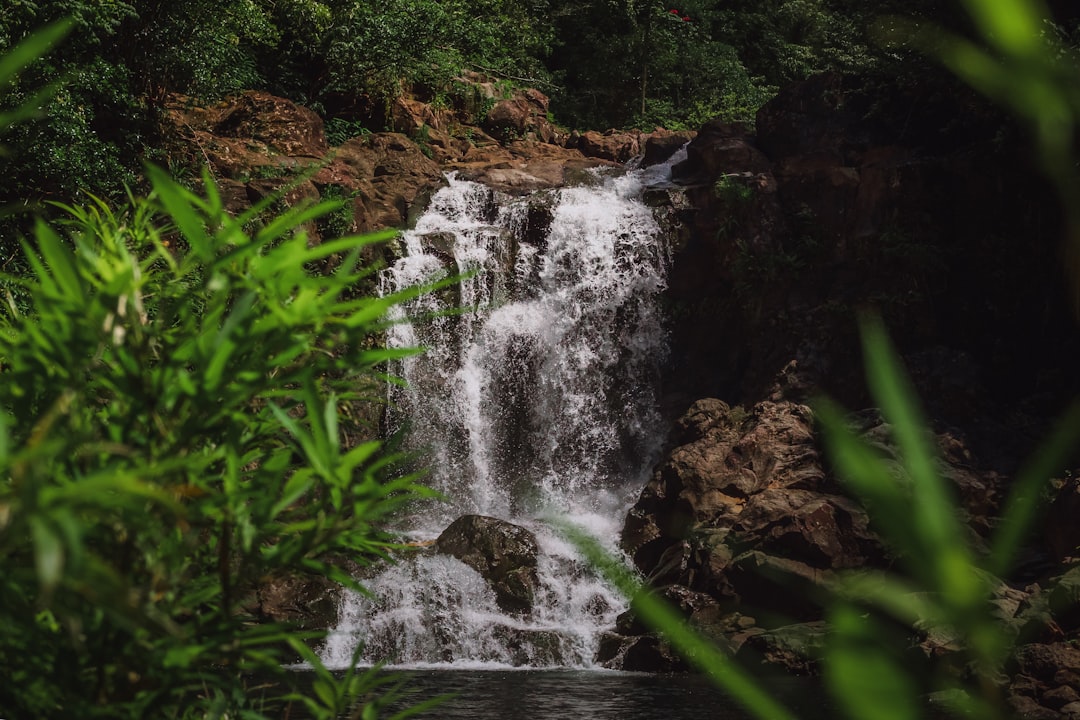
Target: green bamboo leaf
(113, 486)
(1031, 91)
(659, 615)
(872, 479)
(48, 553)
(41, 274)
(330, 424)
(938, 528)
(299, 483)
(308, 444)
(869, 682)
(181, 206)
(224, 342)
(16, 59)
(1014, 26)
(376, 356)
(359, 455)
(891, 594)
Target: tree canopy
(605, 63)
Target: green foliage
(374, 47)
(78, 143)
(339, 221)
(644, 63)
(169, 438)
(339, 130)
(14, 61)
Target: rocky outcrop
(503, 553)
(743, 480)
(853, 193)
(743, 530)
(743, 517)
(257, 145)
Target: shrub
(169, 438)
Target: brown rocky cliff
(256, 145)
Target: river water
(584, 695)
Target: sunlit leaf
(1012, 25)
(941, 539)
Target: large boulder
(503, 553)
(617, 146)
(739, 480)
(522, 115)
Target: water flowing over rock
(540, 399)
(503, 553)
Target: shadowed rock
(503, 553)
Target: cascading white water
(538, 400)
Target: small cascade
(538, 400)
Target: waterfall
(539, 399)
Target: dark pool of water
(572, 694)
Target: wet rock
(758, 477)
(611, 145)
(722, 150)
(649, 653)
(1059, 697)
(1042, 662)
(1029, 709)
(659, 145)
(309, 602)
(503, 553)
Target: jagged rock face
(502, 552)
(257, 145)
(739, 492)
(523, 115)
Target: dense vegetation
(605, 63)
(178, 387)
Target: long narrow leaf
(14, 60)
(938, 526)
(180, 205)
(867, 679)
(657, 614)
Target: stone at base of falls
(503, 553)
(309, 602)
